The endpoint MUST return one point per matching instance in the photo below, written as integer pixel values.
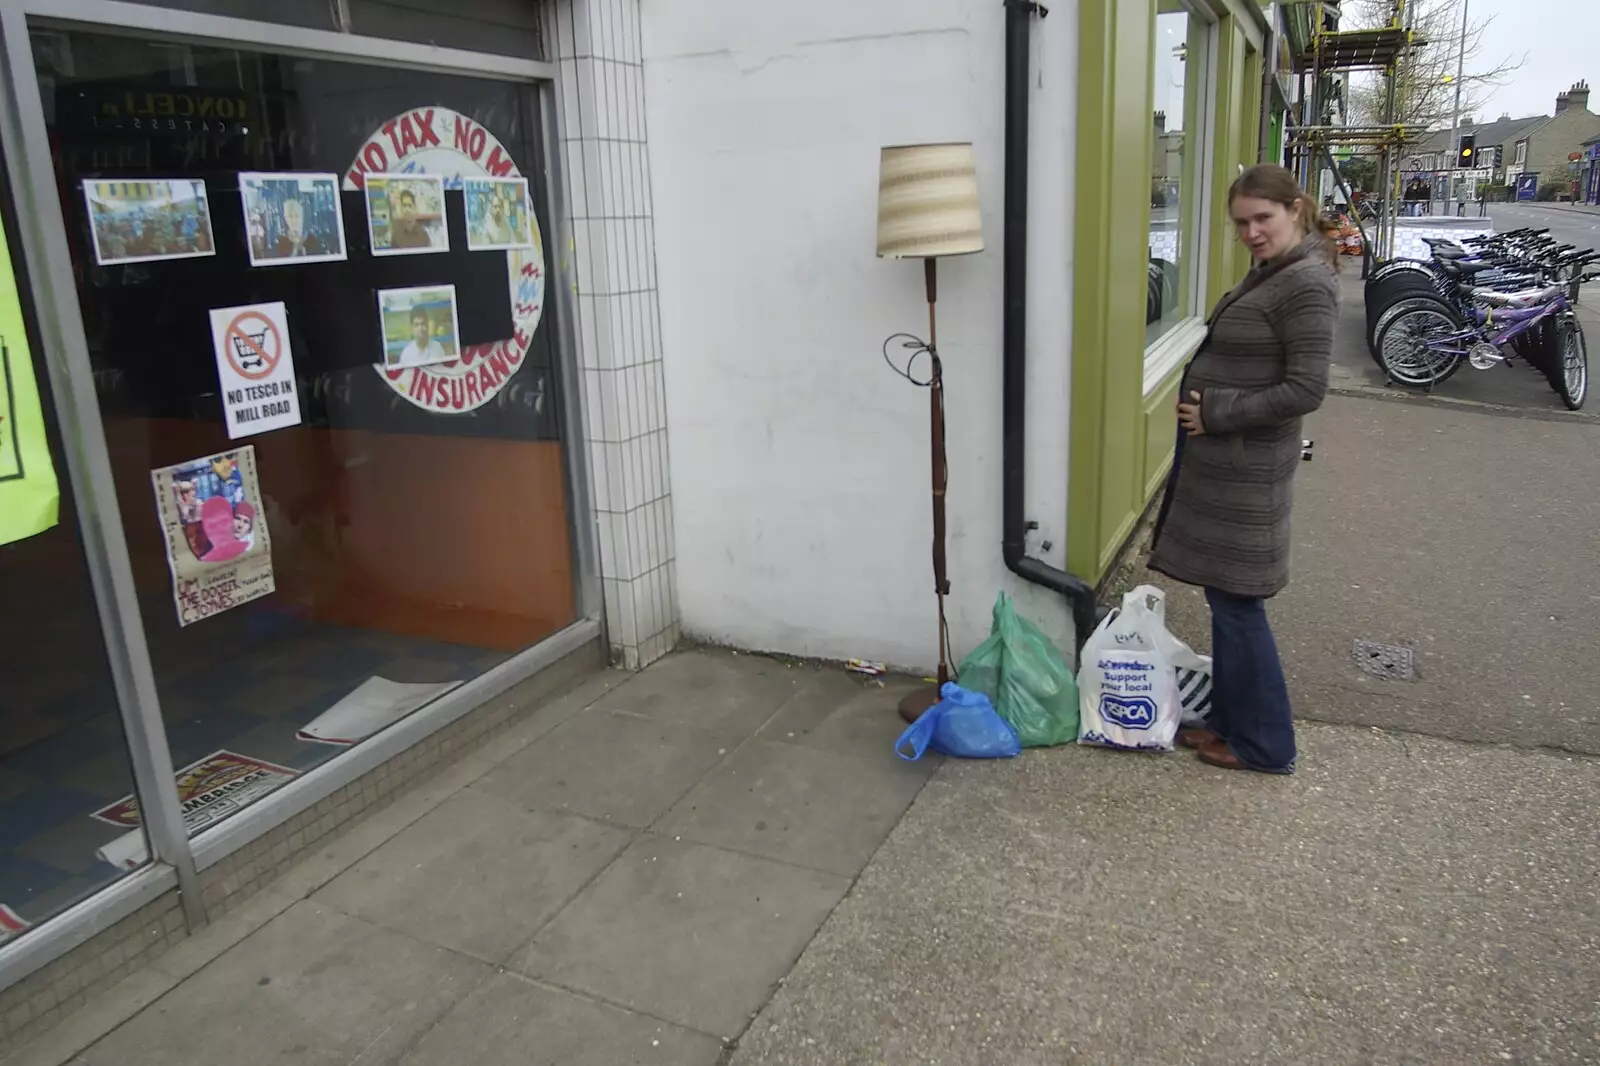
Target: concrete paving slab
(625, 768)
(1080, 906)
(823, 809)
(479, 875)
(726, 693)
(690, 934)
(838, 712)
(314, 987)
(1468, 538)
(511, 1021)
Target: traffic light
(1467, 156)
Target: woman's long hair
(1268, 182)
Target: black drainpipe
(1019, 24)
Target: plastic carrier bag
(1021, 671)
(1128, 685)
(963, 724)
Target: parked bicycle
(1485, 301)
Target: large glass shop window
(314, 296)
(68, 825)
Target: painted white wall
(799, 461)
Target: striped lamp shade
(928, 201)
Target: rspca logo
(1129, 712)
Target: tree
(1425, 81)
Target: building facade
(381, 366)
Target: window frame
(1174, 347)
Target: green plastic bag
(1025, 678)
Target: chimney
(1161, 123)
(1562, 100)
(1505, 116)
(1578, 96)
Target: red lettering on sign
(421, 387)
(390, 128)
(474, 393)
(501, 369)
(485, 378)
(458, 394)
(373, 155)
(425, 128)
(522, 339)
(499, 163)
(470, 138)
(409, 141)
(463, 132)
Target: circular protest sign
(438, 141)
(253, 345)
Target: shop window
(66, 826)
(1178, 89)
(499, 27)
(385, 515)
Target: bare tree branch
(1425, 81)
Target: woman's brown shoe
(1194, 738)
(1217, 753)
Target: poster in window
(149, 219)
(218, 547)
(498, 218)
(292, 219)
(29, 493)
(488, 375)
(420, 326)
(405, 216)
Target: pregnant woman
(1224, 523)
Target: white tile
(574, 190)
(599, 482)
(627, 102)
(671, 539)
(647, 253)
(606, 21)
(610, 456)
(570, 116)
(644, 598)
(605, 418)
(614, 536)
(563, 26)
(655, 411)
(624, 624)
(589, 105)
(631, 36)
(583, 25)
(625, 325)
(595, 333)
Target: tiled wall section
(43, 999)
(597, 43)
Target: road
(1565, 224)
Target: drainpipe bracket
(1031, 6)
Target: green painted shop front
(1125, 380)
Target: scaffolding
(1328, 51)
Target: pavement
(720, 861)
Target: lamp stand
(919, 700)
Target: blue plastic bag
(963, 724)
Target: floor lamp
(928, 208)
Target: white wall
(799, 461)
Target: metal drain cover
(1388, 661)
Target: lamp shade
(928, 201)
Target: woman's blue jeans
(1249, 697)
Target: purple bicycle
(1424, 341)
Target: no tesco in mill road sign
(255, 368)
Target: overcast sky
(1562, 41)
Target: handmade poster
(218, 547)
(221, 784)
(29, 493)
(405, 216)
(420, 325)
(292, 218)
(373, 706)
(437, 140)
(498, 218)
(255, 368)
(11, 924)
(153, 218)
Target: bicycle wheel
(1402, 344)
(1574, 388)
(1382, 304)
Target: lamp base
(917, 701)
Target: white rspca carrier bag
(1127, 684)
